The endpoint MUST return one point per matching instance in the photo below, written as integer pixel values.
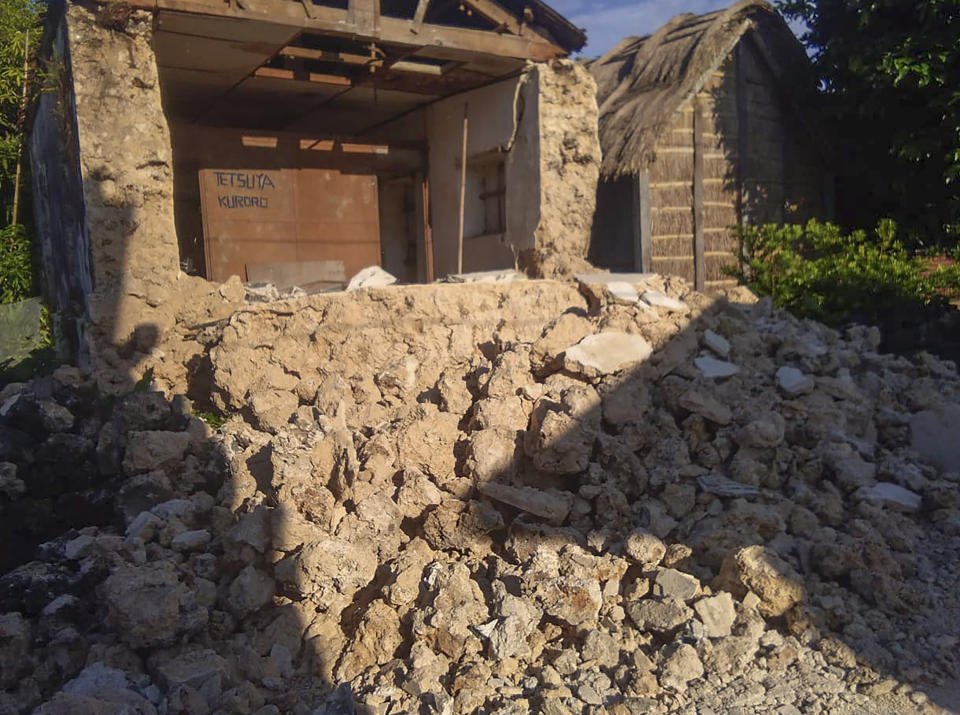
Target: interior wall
(398, 239)
(199, 147)
(490, 124)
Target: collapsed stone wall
(483, 498)
(569, 168)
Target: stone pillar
(127, 176)
(569, 168)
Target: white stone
(793, 382)
(719, 344)
(622, 291)
(891, 495)
(933, 436)
(607, 278)
(607, 353)
(717, 614)
(190, 540)
(713, 368)
(78, 547)
(659, 300)
(501, 276)
(371, 277)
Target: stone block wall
(569, 168)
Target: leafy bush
(16, 270)
(815, 271)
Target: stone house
(297, 142)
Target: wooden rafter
(337, 22)
(498, 15)
(418, 16)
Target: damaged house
(703, 126)
(296, 142)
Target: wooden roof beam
(337, 22)
(498, 15)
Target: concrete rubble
(513, 496)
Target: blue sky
(609, 21)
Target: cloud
(608, 22)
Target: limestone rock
(153, 449)
(711, 368)
(644, 548)
(606, 353)
(680, 667)
(149, 606)
(717, 614)
(552, 506)
(762, 572)
(793, 382)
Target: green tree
(17, 18)
(890, 81)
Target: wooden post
(463, 189)
(22, 132)
(743, 133)
(642, 243)
(699, 259)
(421, 196)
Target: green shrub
(16, 268)
(815, 271)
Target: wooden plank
(699, 267)
(315, 77)
(643, 241)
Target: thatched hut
(702, 127)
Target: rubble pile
(513, 497)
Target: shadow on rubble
(587, 523)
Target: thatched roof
(643, 81)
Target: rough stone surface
(449, 521)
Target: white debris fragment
(659, 300)
(622, 291)
(713, 368)
(794, 383)
(724, 487)
(371, 277)
(500, 276)
(553, 507)
(606, 353)
(890, 494)
(717, 343)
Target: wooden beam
(497, 14)
(365, 15)
(334, 21)
(418, 16)
(699, 248)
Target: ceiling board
(225, 28)
(201, 53)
